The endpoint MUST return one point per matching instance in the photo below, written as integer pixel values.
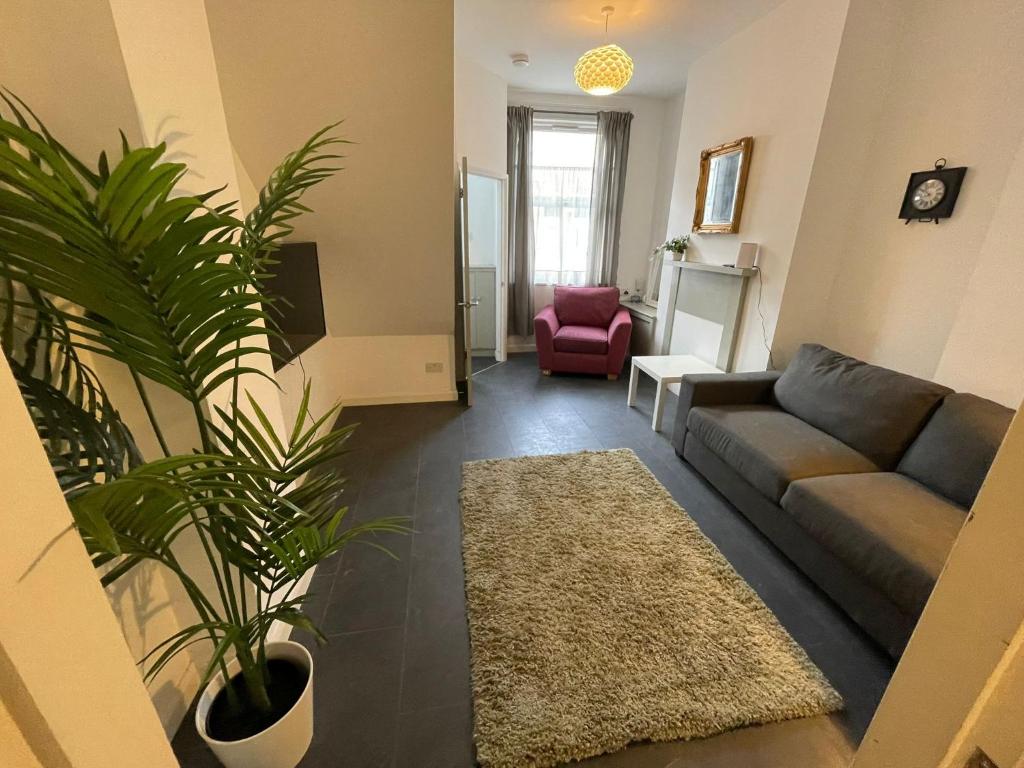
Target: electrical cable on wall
(764, 329)
(305, 380)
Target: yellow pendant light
(604, 70)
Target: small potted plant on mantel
(676, 246)
(113, 260)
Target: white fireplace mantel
(711, 292)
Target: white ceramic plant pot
(283, 744)
(678, 255)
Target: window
(563, 172)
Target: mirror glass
(723, 181)
(721, 187)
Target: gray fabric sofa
(861, 475)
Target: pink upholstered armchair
(584, 331)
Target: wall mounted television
(299, 310)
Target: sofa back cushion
(955, 449)
(586, 306)
(873, 410)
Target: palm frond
(155, 275)
(270, 220)
(83, 435)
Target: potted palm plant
(110, 260)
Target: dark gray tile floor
(392, 687)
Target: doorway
(487, 268)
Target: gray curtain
(520, 221)
(610, 155)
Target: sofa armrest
(618, 340)
(545, 326)
(697, 389)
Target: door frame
(463, 301)
(501, 272)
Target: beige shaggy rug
(599, 615)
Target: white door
(488, 236)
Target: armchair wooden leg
(546, 371)
(613, 377)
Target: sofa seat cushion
(884, 526)
(585, 339)
(770, 448)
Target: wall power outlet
(435, 367)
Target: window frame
(561, 122)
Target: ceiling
(663, 36)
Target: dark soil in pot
(227, 723)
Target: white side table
(665, 370)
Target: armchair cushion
(585, 339)
(596, 307)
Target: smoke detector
(520, 60)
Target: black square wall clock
(931, 195)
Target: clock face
(928, 194)
(931, 195)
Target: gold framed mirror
(721, 186)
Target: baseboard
(370, 370)
(521, 347)
(412, 397)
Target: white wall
(328, 365)
(769, 81)
(481, 101)
(899, 288)
(65, 86)
(853, 114)
(985, 350)
(641, 205)
(69, 689)
(995, 718)
(384, 225)
(17, 751)
(665, 179)
(63, 89)
(663, 191)
(939, 301)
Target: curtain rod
(564, 112)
